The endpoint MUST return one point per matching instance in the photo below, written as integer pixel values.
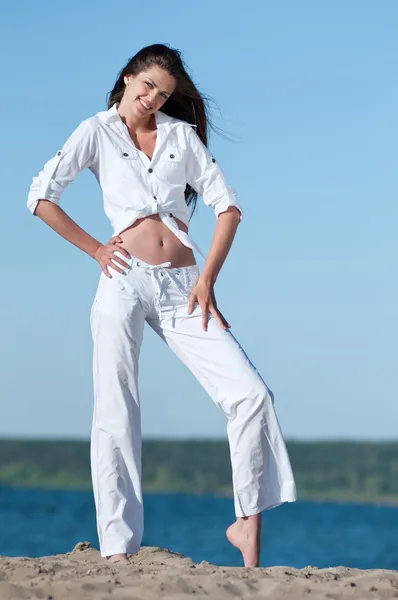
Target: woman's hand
(203, 294)
(105, 255)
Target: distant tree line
(324, 470)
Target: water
(41, 523)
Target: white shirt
(133, 185)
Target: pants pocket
(113, 297)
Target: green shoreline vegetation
(337, 471)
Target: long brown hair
(186, 102)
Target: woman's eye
(149, 83)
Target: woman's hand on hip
(203, 294)
(106, 256)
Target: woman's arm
(206, 177)
(203, 292)
(79, 152)
(57, 219)
(227, 224)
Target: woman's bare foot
(118, 558)
(244, 534)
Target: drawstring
(157, 273)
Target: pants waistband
(133, 261)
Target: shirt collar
(112, 116)
(109, 116)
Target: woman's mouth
(144, 104)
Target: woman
(151, 164)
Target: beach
(156, 573)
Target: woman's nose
(154, 97)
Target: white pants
(262, 476)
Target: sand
(156, 573)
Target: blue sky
(308, 90)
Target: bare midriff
(151, 241)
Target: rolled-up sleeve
(206, 177)
(77, 153)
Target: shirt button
(213, 160)
(59, 153)
(150, 170)
(155, 199)
(172, 156)
(125, 154)
(170, 214)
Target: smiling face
(146, 92)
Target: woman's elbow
(44, 207)
(234, 214)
